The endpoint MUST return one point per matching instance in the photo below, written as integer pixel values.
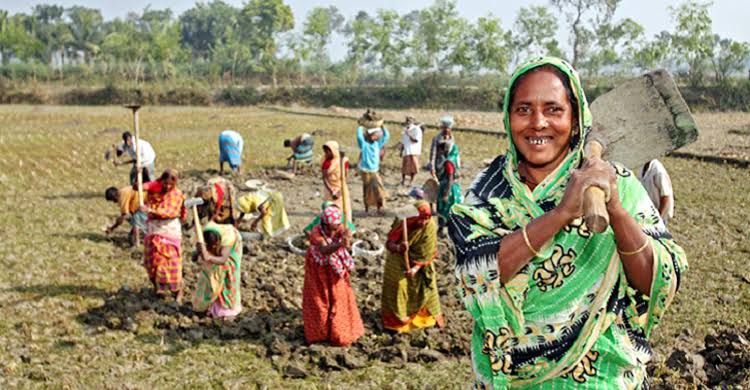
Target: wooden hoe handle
(594, 199)
(407, 266)
(198, 229)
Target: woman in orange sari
(333, 180)
(162, 253)
(329, 307)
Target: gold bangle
(639, 250)
(528, 243)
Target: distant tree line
(258, 41)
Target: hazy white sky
(730, 17)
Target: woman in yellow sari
(410, 297)
(333, 178)
(269, 205)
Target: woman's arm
(629, 238)
(514, 253)
(210, 258)
(262, 211)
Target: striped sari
(218, 289)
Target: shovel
(405, 213)
(640, 120)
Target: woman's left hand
(606, 170)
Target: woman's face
(332, 227)
(328, 152)
(169, 183)
(541, 119)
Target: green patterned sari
(569, 318)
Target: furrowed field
(76, 311)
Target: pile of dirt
(370, 240)
(724, 362)
(272, 280)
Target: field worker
(220, 201)
(410, 297)
(447, 167)
(302, 150)
(411, 139)
(162, 250)
(371, 138)
(127, 200)
(316, 221)
(218, 289)
(658, 185)
(446, 132)
(148, 157)
(269, 205)
(230, 150)
(554, 305)
(334, 181)
(329, 307)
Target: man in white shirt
(148, 156)
(411, 139)
(655, 179)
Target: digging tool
(430, 188)
(640, 120)
(405, 213)
(139, 171)
(344, 188)
(194, 203)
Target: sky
(730, 17)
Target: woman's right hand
(593, 173)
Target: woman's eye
(555, 109)
(522, 109)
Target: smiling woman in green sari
(555, 305)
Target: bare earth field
(77, 311)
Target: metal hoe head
(194, 202)
(642, 119)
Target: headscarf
(334, 147)
(331, 215)
(425, 211)
(452, 155)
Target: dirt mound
(724, 363)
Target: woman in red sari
(329, 308)
(162, 254)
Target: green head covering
(584, 114)
(551, 186)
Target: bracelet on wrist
(635, 252)
(528, 243)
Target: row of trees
(260, 39)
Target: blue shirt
(370, 157)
